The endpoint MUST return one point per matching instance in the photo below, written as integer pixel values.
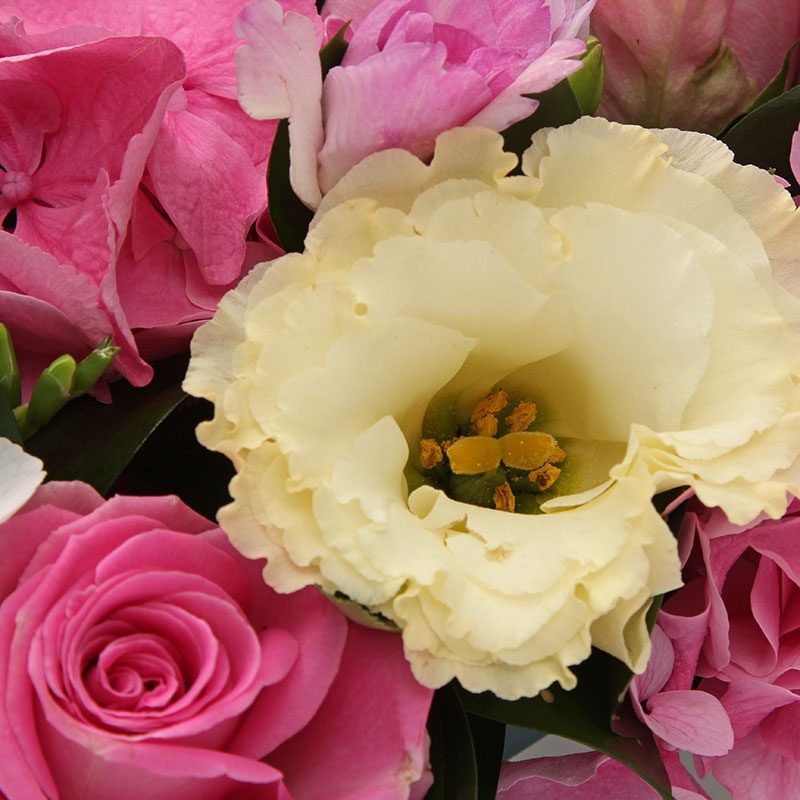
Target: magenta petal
(374, 708)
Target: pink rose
(733, 633)
(413, 69)
(692, 64)
(141, 656)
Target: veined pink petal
(690, 720)
(227, 191)
(279, 76)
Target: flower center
(16, 187)
(495, 460)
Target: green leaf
(583, 715)
(9, 371)
(290, 216)
(488, 738)
(8, 423)
(332, 54)
(94, 442)
(453, 762)
(764, 137)
(557, 107)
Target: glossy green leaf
(94, 442)
(764, 137)
(583, 715)
(9, 370)
(557, 107)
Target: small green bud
(587, 82)
(50, 394)
(92, 367)
(9, 370)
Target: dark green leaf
(332, 54)
(290, 216)
(94, 442)
(557, 107)
(583, 715)
(172, 461)
(764, 137)
(455, 770)
(8, 425)
(488, 738)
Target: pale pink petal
(375, 709)
(362, 117)
(20, 475)
(279, 76)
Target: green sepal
(10, 384)
(557, 107)
(587, 82)
(91, 368)
(358, 613)
(50, 394)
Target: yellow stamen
(430, 454)
(504, 499)
(558, 456)
(545, 476)
(483, 418)
(521, 417)
(527, 450)
(472, 455)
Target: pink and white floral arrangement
(378, 374)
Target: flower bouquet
(377, 376)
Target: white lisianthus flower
(20, 476)
(456, 405)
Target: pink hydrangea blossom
(167, 234)
(413, 68)
(732, 632)
(140, 655)
(692, 64)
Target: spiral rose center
(497, 462)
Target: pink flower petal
(362, 117)
(690, 720)
(373, 709)
(279, 76)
